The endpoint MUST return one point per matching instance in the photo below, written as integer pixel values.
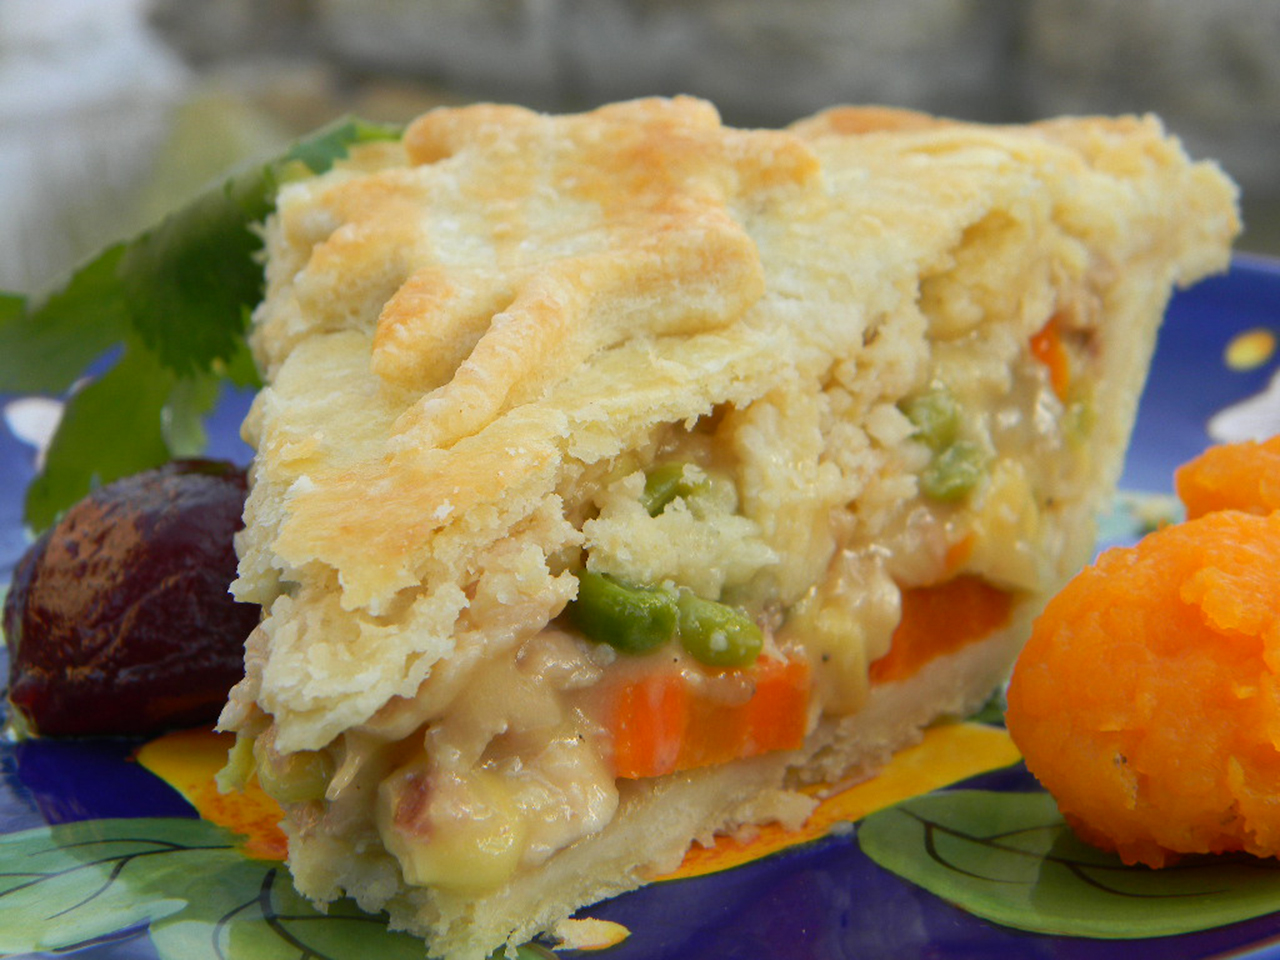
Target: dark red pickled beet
(118, 619)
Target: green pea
(953, 473)
(664, 483)
(716, 634)
(296, 777)
(631, 619)
(936, 416)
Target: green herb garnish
(173, 303)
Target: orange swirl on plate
(189, 759)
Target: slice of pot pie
(618, 473)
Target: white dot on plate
(33, 420)
(1254, 418)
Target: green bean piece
(664, 483)
(936, 416)
(716, 634)
(631, 619)
(953, 473)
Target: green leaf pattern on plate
(1007, 857)
(65, 885)
(1010, 858)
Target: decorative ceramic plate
(124, 850)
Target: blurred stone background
(114, 110)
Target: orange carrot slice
(941, 619)
(1048, 348)
(662, 724)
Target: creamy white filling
(503, 760)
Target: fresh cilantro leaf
(323, 149)
(239, 369)
(179, 296)
(111, 428)
(44, 350)
(182, 283)
(182, 418)
(12, 307)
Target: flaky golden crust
(476, 342)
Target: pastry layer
(860, 383)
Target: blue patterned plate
(103, 855)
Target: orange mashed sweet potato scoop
(1233, 476)
(1147, 700)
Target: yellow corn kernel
(459, 832)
